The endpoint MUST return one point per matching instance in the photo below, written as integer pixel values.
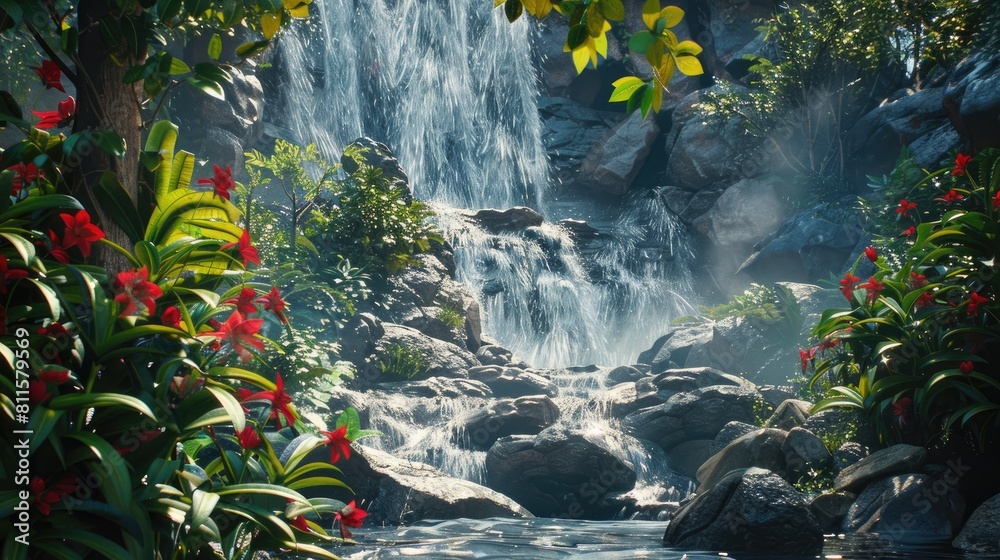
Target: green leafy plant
(450, 316)
(402, 363)
(917, 348)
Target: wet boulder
(761, 449)
(981, 533)
(907, 508)
(513, 382)
(615, 160)
(831, 508)
(559, 472)
(673, 381)
(900, 458)
(430, 357)
(789, 414)
(751, 510)
(512, 219)
(526, 416)
(804, 452)
(699, 414)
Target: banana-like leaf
(162, 139)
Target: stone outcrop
(906, 508)
(616, 158)
(897, 459)
(526, 415)
(981, 534)
(699, 414)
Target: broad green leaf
(114, 199)
(641, 41)
(202, 505)
(512, 9)
(689, 65)
(250, 49)
(162, 138)
(210, 87)
(215, 47)
(687, 47)
(177, 67)
(613, 9)
(231, 405)
(625, 87)
(269, 25)
(98, 400)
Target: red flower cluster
(966, 368)
(249, 438)
(901, 409)
(62, 117)
(961, 161)
(871, 253)
(247, 251)
(80, 232)
(135, 292)
(222, 181)
(904, 207)
(909, 232)
(874, 288)
(44, 496)
(975, 300)
(280, 402)
(847, 285)
(806, 356)
(340, 446)
(350, 516)
(239, 332)
(50, 74)
(952, 197)
(24, 175)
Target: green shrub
(402, 363)
(450, 316)
(763, 306)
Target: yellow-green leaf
(624, 88)
(687, 47)
(689, 65)
(269, 25)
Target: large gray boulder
(981, 533)
(513, 382)
(526, 415)
(571, 131)
(906, 508)
(559, 472)
(747, 211)
(806, 248)
(671, 350)
(972, 100)
(761, 449)
(900, 458)
(615, 160)
(752, 510)
(673, 381)
(511, 219)
(804, 452)
(396, 491)
(439, 358)
(699, 414)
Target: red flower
(53, 329)
(182, 385)
(51, 119)
(350, 516)
(240, 333)
(222, 181)
(996, 201)
(80, 232)
(873, 287)
(966, 368)
(301, 524)
(244, 302)
(38, 391)
(171, 317)
(56, 251)
(909, 232)
(136, 292)
(975, 300)
(280, 402)
(243, 394)
(247, 251)
(249, 438)
(952, 197)
(917, 280)
(338, 442)
(24, 175)
(960, 162)
(43, 497)
(904, 207)
(50, 74)
(829, 343)
(806, 356)
(901, 409)
(847, 285)
(9, 275)
(54, 374)
(871, 254)
(273, 303)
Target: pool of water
(544, 539)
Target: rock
(752, 510)
(240, 112)
(438, 387)
(512, 219)
(930, 149)
(686, 458)
(439, 358)
(906, 508)
(840, 424)
(702, 154)
(523, 416)
(848, 454)
(981, 533)
(622, 374)
(620, 401)
(616, 158)
(359, 336)
(806, 248)
(427, 320)
(636, 505)
(747, 211)
(774, 395)
(972, 100)
(687, 205)
(674, 347)
(804, 452)
(831, 508)
(581, 231)
(730, 433)
(813, 301)
(513, 382)
(900, 458)
(699, 414)
(790, 414)
(396, 491)
(558, 473)
(673, 381)
(761, 448)
(223, 147)
(730, 30)
(571, 130)
(493, 355)
(379, 156)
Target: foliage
(402, 363)
(589, 22)
(450, 316)
(371, 223)
(916, 350)
(835, 59)
(139, 412)
(763, 306)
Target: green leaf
(594, 20)
(613, 10)
(10, 111)
(88, 540)
(231, 405)
(247, 50)
(177, 66)
(576, 36)
(625, 87)
(215, 47)
(689, 65)
(350, 419)
(148, 256)
(98, 400)
(202, 505)
(210, 87)
(641, 41)
(213, 72)
(687, 47)
(513, 10)
(69, 41)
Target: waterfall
(450, 87)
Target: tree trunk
(106, 102)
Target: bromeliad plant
(918, 348)
(133, 384)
